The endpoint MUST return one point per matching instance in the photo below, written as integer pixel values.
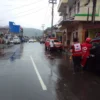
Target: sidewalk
(79, 86)
(8, 51)
(7, 46)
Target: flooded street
(28, 72)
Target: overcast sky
(27, 13)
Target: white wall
(84, 10)
(80, 29)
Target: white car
(34, 40)
(16, 40)
(11, 41)
(31, 40)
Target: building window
(78, 7)
(75, 3)
(70, 11)
(74, 7)
(68, 42)
(75, 35)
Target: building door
(86, 34)
(60, 38)
(68, 38)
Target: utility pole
(52, 14)
(94, 10)
(43, 30)
(43, 27)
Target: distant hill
(32, 32)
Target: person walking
(51, 46)
(86, 46)
(76, 51)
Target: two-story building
(76, 19)
(4, 30)
(57, 33)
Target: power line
(46, 14)
(27, 13)
(48, 19)
(24, 5)
(55, 14)
(49, 16)
(33, 12)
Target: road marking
(28, 50)
(39, 77)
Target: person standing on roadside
(76, 51)
(51, 46)
(1, 44)
(86, 46)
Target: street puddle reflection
(17, 54)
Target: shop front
(91, 30)
(59, 36)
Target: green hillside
(32, 32)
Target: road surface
(27, 72)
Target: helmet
(88, 40)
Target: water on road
(28, 72)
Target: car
(95, 41)
(31, 40)
(42, 41)
(57, 44)
(34, 40)
(11, 41)
(93, 61)
(16, 40)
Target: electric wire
(26, 14)
(23, 6)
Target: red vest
(76, 49)
(86, 49)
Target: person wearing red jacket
(76, 50)
(86, 51)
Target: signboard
(14, 28)
(11, 26)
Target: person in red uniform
(76, 50)
(86, 51)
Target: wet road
(27, 72)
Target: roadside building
(4, 30)
(57, 33)
(47, 32)
(75, 21)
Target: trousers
(77, 63)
